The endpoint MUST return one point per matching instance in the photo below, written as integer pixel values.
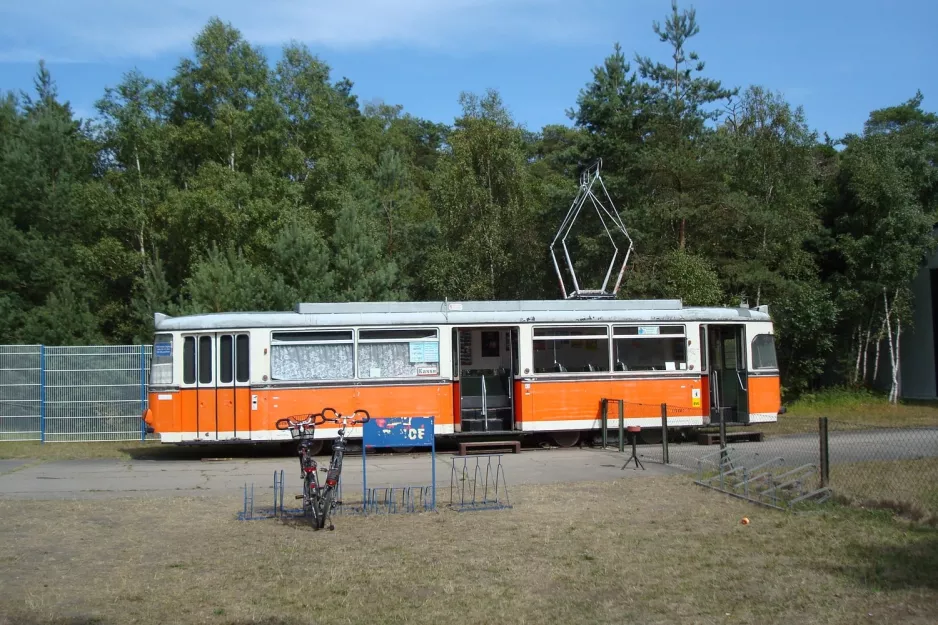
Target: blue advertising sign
(398, 432)
(163, 349)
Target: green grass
(862, 407)
(657, 550)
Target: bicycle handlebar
(291, 422)
(347, 419)
(288, 423)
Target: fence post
(621, 425)
(605, 403)
(42, 394)
(664, 434)
(143, 391)
(825, 452)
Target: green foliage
(361, 272)
(690, 278)
(237, 184)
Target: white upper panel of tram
(460, 313)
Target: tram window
(205, 359)
(571, 349)
(392, 353)
(242, 358)
(161, 366)
(188, 360)
(318, 355)
(225, 356)
(650, 348)
(763, 352)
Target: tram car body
(478, 368)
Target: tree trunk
(896, 378)
(879, 341)
(856, 369)
(893, 390)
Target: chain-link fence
(877, 466)
(59, 394)
(893, 466)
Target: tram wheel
(566, 439)
(315, 447)
(402, 450)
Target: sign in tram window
(161, 366)
(650, 348)
(571, 349)
(314, 355)
(398, 353)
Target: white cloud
(105, 30)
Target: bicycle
(319, 500)
(327, 502)
(303, 431)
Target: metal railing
(72, 394)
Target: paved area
(93, 479)
(12, 465)
(172, 477)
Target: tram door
(485, 362)
(729, 382)
(233, 395)
(216, 391)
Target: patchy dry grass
(648, 551)
(907, 486)
(127, 450)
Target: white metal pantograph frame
(608, 216)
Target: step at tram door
(485, 362)
(728, 379)
(216, 392)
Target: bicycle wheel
(325, 510)
(310, 492)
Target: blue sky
(839, 59)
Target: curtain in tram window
(312, 362)
(389, 360)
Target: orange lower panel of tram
(577, 404)
(243, 413)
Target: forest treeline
(243, 183)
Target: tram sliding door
(486, 363)
(233, 393)
(206, 391)
(729, 383)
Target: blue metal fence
(62, 394)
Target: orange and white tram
(477, 367)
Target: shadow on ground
(199, 452)
(896, 567)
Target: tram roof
(461, 313)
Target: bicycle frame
(312, 490)
(333, 473)
(319, 500)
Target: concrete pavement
(96, 479)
